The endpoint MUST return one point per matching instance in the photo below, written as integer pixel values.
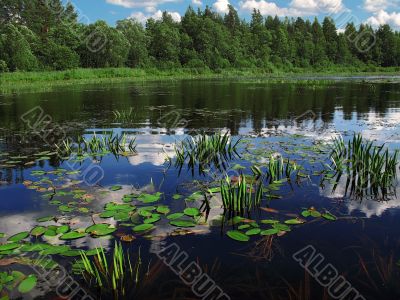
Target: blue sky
(375, 12)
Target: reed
(278, 169)
(205, 150)
(107, 142)
(241, 196)
(114, 275)
(124, 116)
(370, 169)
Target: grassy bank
(30, 81)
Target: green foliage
(52, 38)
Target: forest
(44, 35)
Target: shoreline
(17, 82)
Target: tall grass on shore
(369, 169)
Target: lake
(133, 134)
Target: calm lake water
(296, 120)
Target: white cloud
(376, 5)
(142, 18)
(383, 17)
(197, 2)
(139, 3)
(295, 8)
(221, 6)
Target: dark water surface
(297, 120)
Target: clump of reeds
(205, 150)
(278, 169)
(116, 275)
(124, 116)
(369, 169)
(241, 196)
(107, 142)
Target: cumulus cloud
(376, 5)
(295, 8)
(157, 15)
(139, 3)
(383, 17)
(197, 2)
(221, 6)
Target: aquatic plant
(107, 142)
(369, 169)
(124, 116)
(241, 196)
(277, 168)
(115, 275)
(205, 150)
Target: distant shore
(39, 81)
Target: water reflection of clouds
(368, 207)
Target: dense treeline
(46, 35)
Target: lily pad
(27, 284)
(253, 231)
(38, 231)
(62, 229)
(100, 229)
(143, 227)
(153, 219)
(238, 236)
(10, 246)
(183, 223)
(269, 231)
(115, 188)
(149, 198)
(73, 235)
(18, 237)
(175, 216)
(45, 219)
(294, 221)
(329, 217)
(163, 210)
(192, 212)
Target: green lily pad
(183, 223)
(151, 220)
(10, 246)
(62, 229)
(238, 236)
(163, 210)
(51, 250)
(253, 231)
(269, 231)
(38, 231)
(115, 188)
(281, 227)
(27, 284)
(245, 226)
(192, 212)
(143, 227)
(149, 198)
(294, 221)
(175, 216)
(100, 229)
(306, 213)
(329, 217)
(176, 197)
(269, 221)
(73, 235)
(45, 219)
(18, 237)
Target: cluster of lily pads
(247, 228)
(8, 160)
(10, 281)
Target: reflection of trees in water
(206, 104)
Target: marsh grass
(369, 169)
(206, 150)
(241, 196)
(117, 275)
(107, 142)
(124, 116)
(278, 168)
